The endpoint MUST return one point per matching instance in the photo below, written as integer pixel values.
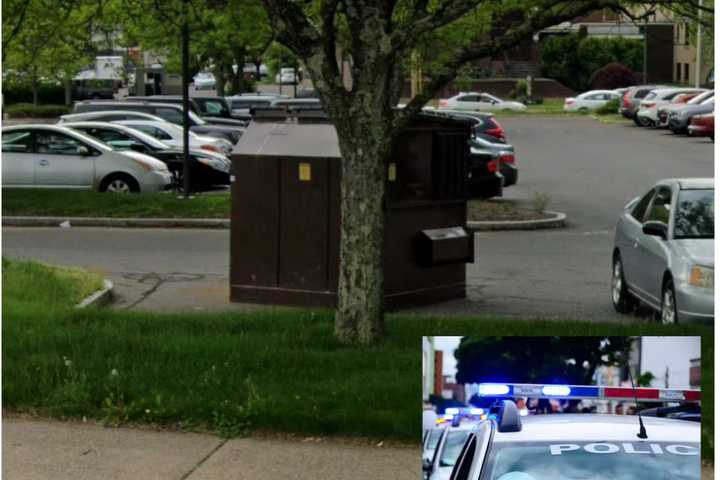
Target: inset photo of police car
(561, 408)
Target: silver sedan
(663, 255)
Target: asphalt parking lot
(589, 169)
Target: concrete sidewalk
(39, 449)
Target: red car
(703, 126)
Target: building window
(687, 72)
(678, 72)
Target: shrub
(21, 92)
(520, 89)
(612, 75)
(571, 59)
(611, 107)
(28, 110)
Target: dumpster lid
(289, 139)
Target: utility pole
(698, 47)
(186, 101)
(645, 47)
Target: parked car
(214, 110)
(51, 156)
(242, 104)
(632, 98)
(207, 168)
(486, 123)
(591, 100)
(107, 116)
(479, 102)
(447, 451)
(203, 80)
(169, 112)
(172, 135)
(505, 156)
(664, 111)
(703, 126)
(484, 177)
(679, 120)
(663, 253)
(647, 113)
(294, 103)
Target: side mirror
(427, 465)
(656, 229)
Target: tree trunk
(359, 316)
(219, 73)
(67, 81)
(34, 87)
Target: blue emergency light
(515, 390)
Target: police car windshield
(452, 447)
(593, 461)
(433, 439)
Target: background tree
(379, 36)
(561, 360)
(223, 35)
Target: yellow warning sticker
(304, 172)
(392, 172)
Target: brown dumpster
(285, 221)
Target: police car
(510, 446)
(454, 428)
(430, 442)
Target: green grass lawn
(80, 203)
(230, 372)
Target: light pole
(186, 102)
(698, 47)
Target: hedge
(28, 110)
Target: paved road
(39, 449)
(589, 169)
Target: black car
(213, 109)
(485, 123)
(207, 169)
(505, 155)
(169, 112)
(484, 179)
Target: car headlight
(702, 277)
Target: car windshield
(433, 439)
(452, 447)
(575, 460)
(695, 214)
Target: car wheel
(668, 312)
(622, 300)
(119, 183)
(642, 121)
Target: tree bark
(359, 316)
(219, 73)
(67, 81)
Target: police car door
(470, 460)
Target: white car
(479, 102)
(591, 100)
(107, 116)
(172, 135)
(510, 446)
(286, 76)
(440, 466)
(204, 80)
(647, 114)
(52, 156)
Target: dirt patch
(503, 210)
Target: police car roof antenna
(643, 433)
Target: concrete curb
(557, 221)
(99, 297)
(116, 222)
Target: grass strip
(83, 203)
(231, 372)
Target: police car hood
(600, 428)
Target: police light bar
(581, 392)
